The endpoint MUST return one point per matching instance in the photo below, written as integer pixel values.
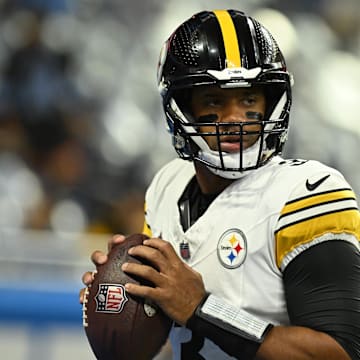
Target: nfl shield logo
(110, 298)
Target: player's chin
(233, 147)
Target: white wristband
(239, 319)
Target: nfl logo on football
(110, 298)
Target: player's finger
(142, 291)
(82, 296)
(98, 257)
(154, 256)
(143, 271)
(88, 277)
(163, 246)
(116, 239)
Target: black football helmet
(229, 49)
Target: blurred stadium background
(82, 133)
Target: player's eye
(213, 103)
(249, 100)
(209, 118)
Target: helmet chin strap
(231, 160)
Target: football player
(253, 256)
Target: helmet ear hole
(184, 146)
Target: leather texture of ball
(119, 326)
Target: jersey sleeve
(319, 208)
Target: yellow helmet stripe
(231, 44)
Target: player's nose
(233, 111)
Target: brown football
(119, 326)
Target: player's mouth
(230, 147)
(233, 144)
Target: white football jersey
(251, 232)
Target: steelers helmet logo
(232, 248)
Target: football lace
(84, 307)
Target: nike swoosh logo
(313, 186)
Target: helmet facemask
(189, 138)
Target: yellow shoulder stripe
(313, 200)
(292, 236)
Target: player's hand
(178, 289)
(98, 258)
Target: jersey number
(293, 162)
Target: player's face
(237, 105)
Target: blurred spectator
(35, 77)
(56, 156)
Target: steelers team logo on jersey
(232, 248)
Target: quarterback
(254, 256)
